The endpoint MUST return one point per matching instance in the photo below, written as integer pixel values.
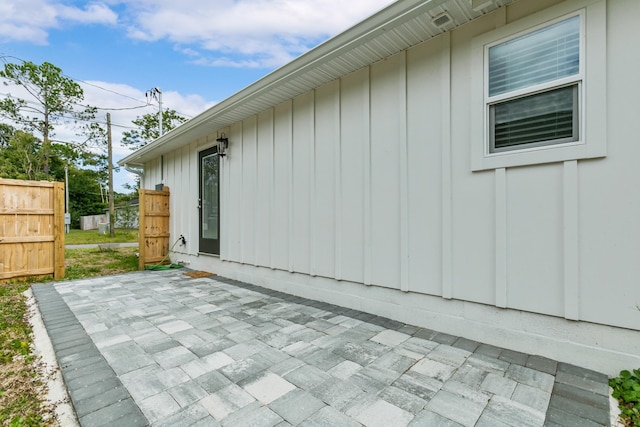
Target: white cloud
(245, 33)
(95, 13)
(30, 20)
(232, 33)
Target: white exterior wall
(361, 193)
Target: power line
(64, 116)
(147, 103)
(122, 108)
(3, 59)
(102, 88)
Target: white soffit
(401, 25)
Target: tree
(149, 128)
(6, 133)
(84, 194)
(55, 100)
(20, 157)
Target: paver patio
(162, 349)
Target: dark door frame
(208, 245)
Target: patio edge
(97, 395)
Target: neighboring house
(469, 166)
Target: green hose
(159, 266)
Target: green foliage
(6, 132)
(126, 215)
(626, 388)
(22, 157)
(54, 97)
(84, 194)
(148, 128)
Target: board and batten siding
(361, 192)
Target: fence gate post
(58, 240)
(153, 226)
(142, 226)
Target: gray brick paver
(296, 406)
(530, 377)
(329, 417)
(497, 384)
(601, 388)
(307, 377)
(213, 381)
(532, 397)
(580, 409)
(182, 350)
(121, 412)
(463, 411)
(543, 364)
(100, 400)
(403, 399)
(259, 417)
(428, 418)
(380, 413)
(187, 393)
(188, 417)
(417, 384)
(556, 416)
(513, 413)
(373, 380)
(336, 393)
(159, 406)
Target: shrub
(626, 388)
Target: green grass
(20, 387)
(82, 237)
(83, 263)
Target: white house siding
(361, 193)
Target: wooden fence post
(153, 226)
(141, 228)
(58, 230)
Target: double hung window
(533, 88)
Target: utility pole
(66, 197)
(156, 93)
(110, 160)
(160, 109)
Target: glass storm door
(209, 201)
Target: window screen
(533, 88)
(542, 56)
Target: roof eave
(389, 17)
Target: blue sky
(198, 52)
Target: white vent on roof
(478, 5)
(443, 20)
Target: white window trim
(591, 81)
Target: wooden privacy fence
(153, 226)
(31, 229)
